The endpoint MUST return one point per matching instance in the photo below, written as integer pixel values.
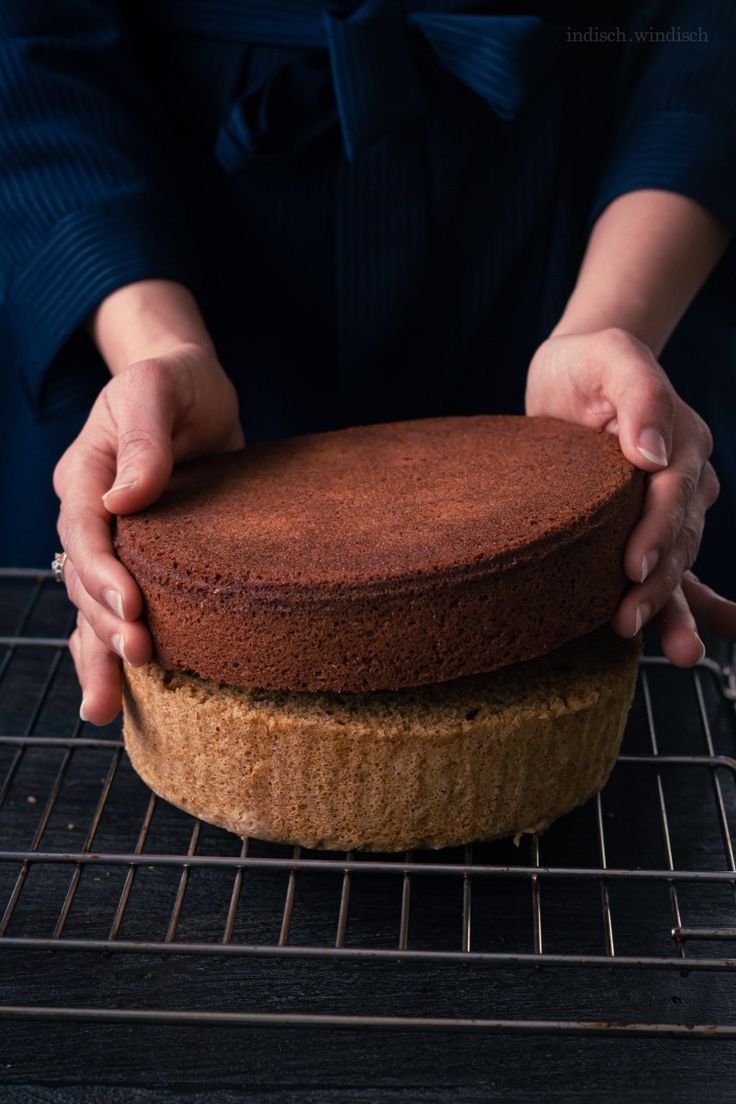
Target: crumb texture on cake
(482, 757)
(385, 556)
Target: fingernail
(651, 445)
(83, 710)
(648, 563)
(118, 645)
(643, 613)
(701, 657)
(126, 479)
(114, 599)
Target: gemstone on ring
(57, 566)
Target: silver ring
(57, 566)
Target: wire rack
(94, 869)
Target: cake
(386, 637)
(482, 757)
(385, 556)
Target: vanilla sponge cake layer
(477, 758)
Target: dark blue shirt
(381, 206)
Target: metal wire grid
(465, 871)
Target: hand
(149, 416)
(610, 380)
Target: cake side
(485, 757)
(497, 586)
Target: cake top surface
(377, 504)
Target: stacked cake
(389, 636)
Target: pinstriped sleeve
(678, 119)
(86, 196)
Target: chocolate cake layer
(385, 556)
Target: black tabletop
(426, 943)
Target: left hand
(611, 380)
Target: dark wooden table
(58, 787)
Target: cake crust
(385, 556)
(484, 757)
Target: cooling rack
(120, 907)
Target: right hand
(151, 415)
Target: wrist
(630, 316)
(149, 318)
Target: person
(285, 216)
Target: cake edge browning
(326, 779)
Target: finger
(643, 398)
(143, 407)
(235, 439)
(678, 632)
(642, 602)
(712, 612)
(84, 528)
(98, 671)
(128, 639)
(669, 498)
(74, 649)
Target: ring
(57, 566)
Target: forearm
(649, 254)
(147, 319)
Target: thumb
(644, 401)
(144, 461)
